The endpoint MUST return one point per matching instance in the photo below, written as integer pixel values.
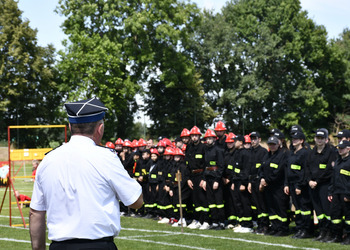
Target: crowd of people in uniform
(231, 181)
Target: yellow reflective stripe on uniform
(144, 171)
(232, 217)
(220, 206)
(212, 206)
(182, 205)
(198, 156)
(305, 212)
(258, 165)
(229, 167)
(297, 212)
(253, 207)
(245, 219)
(276, 217)
(345, 172)
(321, 216)
(347, 222)
(169, 174)
(273, 165)
(336, 221)
(295, 167)
(153, 176)
(137, 174)
(262, 215)
(322, 166)
(212, 163)
(237, 170)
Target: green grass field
(139, 233)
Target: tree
(276, 70)
(340, 91)
(116, 48)
(29, 91)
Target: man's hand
(249, 187)
(312, 184)
(215, 185)
(242, 188)
(286, 190)
(298, 191)
(190, 184)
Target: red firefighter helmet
(247, 139)
(110, 144)
(169, 151)
(154, 151)
(195, 131)
(161, 143)
(119, 142)
(230, 137)
(167, 142)
(220, 126)
(142, 143)
(184, 146)
(127, 143)
(209, 133)
(179, 152)
(185, 132)
(135, 143)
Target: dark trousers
(303, 208)
(340, 208)
(277, 203)
(246, 214)
(80, 244)
(215, 201)
(230, 211)
(321, 204)
(258, 201)
(200, 204)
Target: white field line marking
(221, 237)
(21, 241)
(27, 228)
(15, 217)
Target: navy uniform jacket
(319, 165)
(296, 169)
(340, 183)
(257, 156)
(241, 167)
(214, 157)
(195, 157)
(273, 167)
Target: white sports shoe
(205, 226)
(178, 224)
(165, 220)
(193, 224)
(244, 230)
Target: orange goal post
(23, 155)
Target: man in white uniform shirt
(79, 185)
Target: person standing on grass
(320, 169)
(296, 186)
(78, 187)
(339, 196)
(271, 175)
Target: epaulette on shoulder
(111, 149)
(53, 149)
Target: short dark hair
(84, 128)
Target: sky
(333, 14)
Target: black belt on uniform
(106, 239)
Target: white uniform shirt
(79, 185)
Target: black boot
(321, 236)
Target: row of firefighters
(231, 181)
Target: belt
(196, 171)
(106, 239)
(212, 168)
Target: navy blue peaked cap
(85, 111)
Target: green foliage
(268, 65)
(341, 88)
(29, 81)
